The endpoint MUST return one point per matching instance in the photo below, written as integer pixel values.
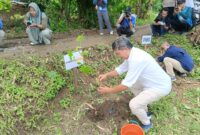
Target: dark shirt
(1, 24)
(166, 20)
(125, 22)
(180, 55)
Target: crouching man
(126, 23)
(145, 78)
(176, 58)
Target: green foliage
(25, 89)
(57, 117)
(176, 116)
(71, 88)
(66, 15)
(80, 39)
(5, 5)
(65, 102)
(87, 69)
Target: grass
(175, 116)
(28, 85)
(149, 20)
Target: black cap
(128, 10)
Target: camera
(127, 14)
(28, 23)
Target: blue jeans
(103, 16)
(158, 30)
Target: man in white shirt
(145, 78)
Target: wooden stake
(75, 72)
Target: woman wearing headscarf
(37, 26)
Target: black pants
(179, 26)
(158, 30)
(127, 31)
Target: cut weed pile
(31, 103)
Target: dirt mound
(195, 36)
(119, 110)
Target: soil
(19, 46)
(110, 109)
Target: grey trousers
(103, 16)
(2, 34)
(44, 36)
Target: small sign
(76, 60)
(146, 39)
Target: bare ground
(16, 47)
(84, 117)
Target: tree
(5, 5)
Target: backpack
(1, 24)
(48, 21)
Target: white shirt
(144, 71)
(189, 3)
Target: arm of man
(106, 90)
(168, 53)
(109, 74)
(121, 18)
(131, 22)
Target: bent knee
(133, 105)
(166, 59)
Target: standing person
(176, 58)
(38, 29)
(161, 24)
(102, 14)
(126, 23)
(182, 20)
(169, 4)
(2, 33)
(145, 78)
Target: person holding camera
(182, 20)
(102, 14)
(161, 24)
(37, 26)
(2, 33)
(126, 23)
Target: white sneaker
(111, 32)
(101, 34)
(33, 43)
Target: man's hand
(104, 90)
(102, 77)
